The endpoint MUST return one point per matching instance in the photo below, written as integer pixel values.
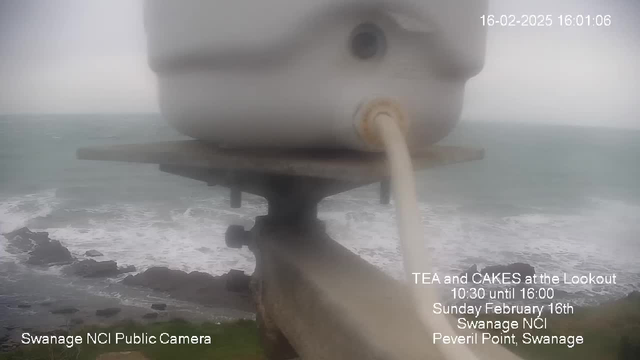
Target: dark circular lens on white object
(367, 41)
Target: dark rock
(159, 306)
(40, 238)
(196, 287)
(515, 268)
(164, 279)
(24, 306)
(237, 281)
(19, 232)
(93, 253)
(93, 269)
(65, 311)
(49, 254)
(25, 240)
(21, 244)
(109, 312)
(150, 316)
(473, 269)
(43, 251)
(76, 321)
(28, 234)
(127, 269)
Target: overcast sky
(88, 56)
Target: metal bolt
(236, 237)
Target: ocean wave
(17, 211)
(185, 238)
(188, 234)
(592, 240)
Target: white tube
(381, 123)
(410, 228)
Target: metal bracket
(314, 298)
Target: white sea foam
(16, 211)
(601, 238)
(139, 236)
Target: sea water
(563, 199)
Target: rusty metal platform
(314, 298)
(339, 165)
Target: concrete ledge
(331, 304)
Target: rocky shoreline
(61, 306)
(229, 290)
(165, 294)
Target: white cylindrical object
(292, 73)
